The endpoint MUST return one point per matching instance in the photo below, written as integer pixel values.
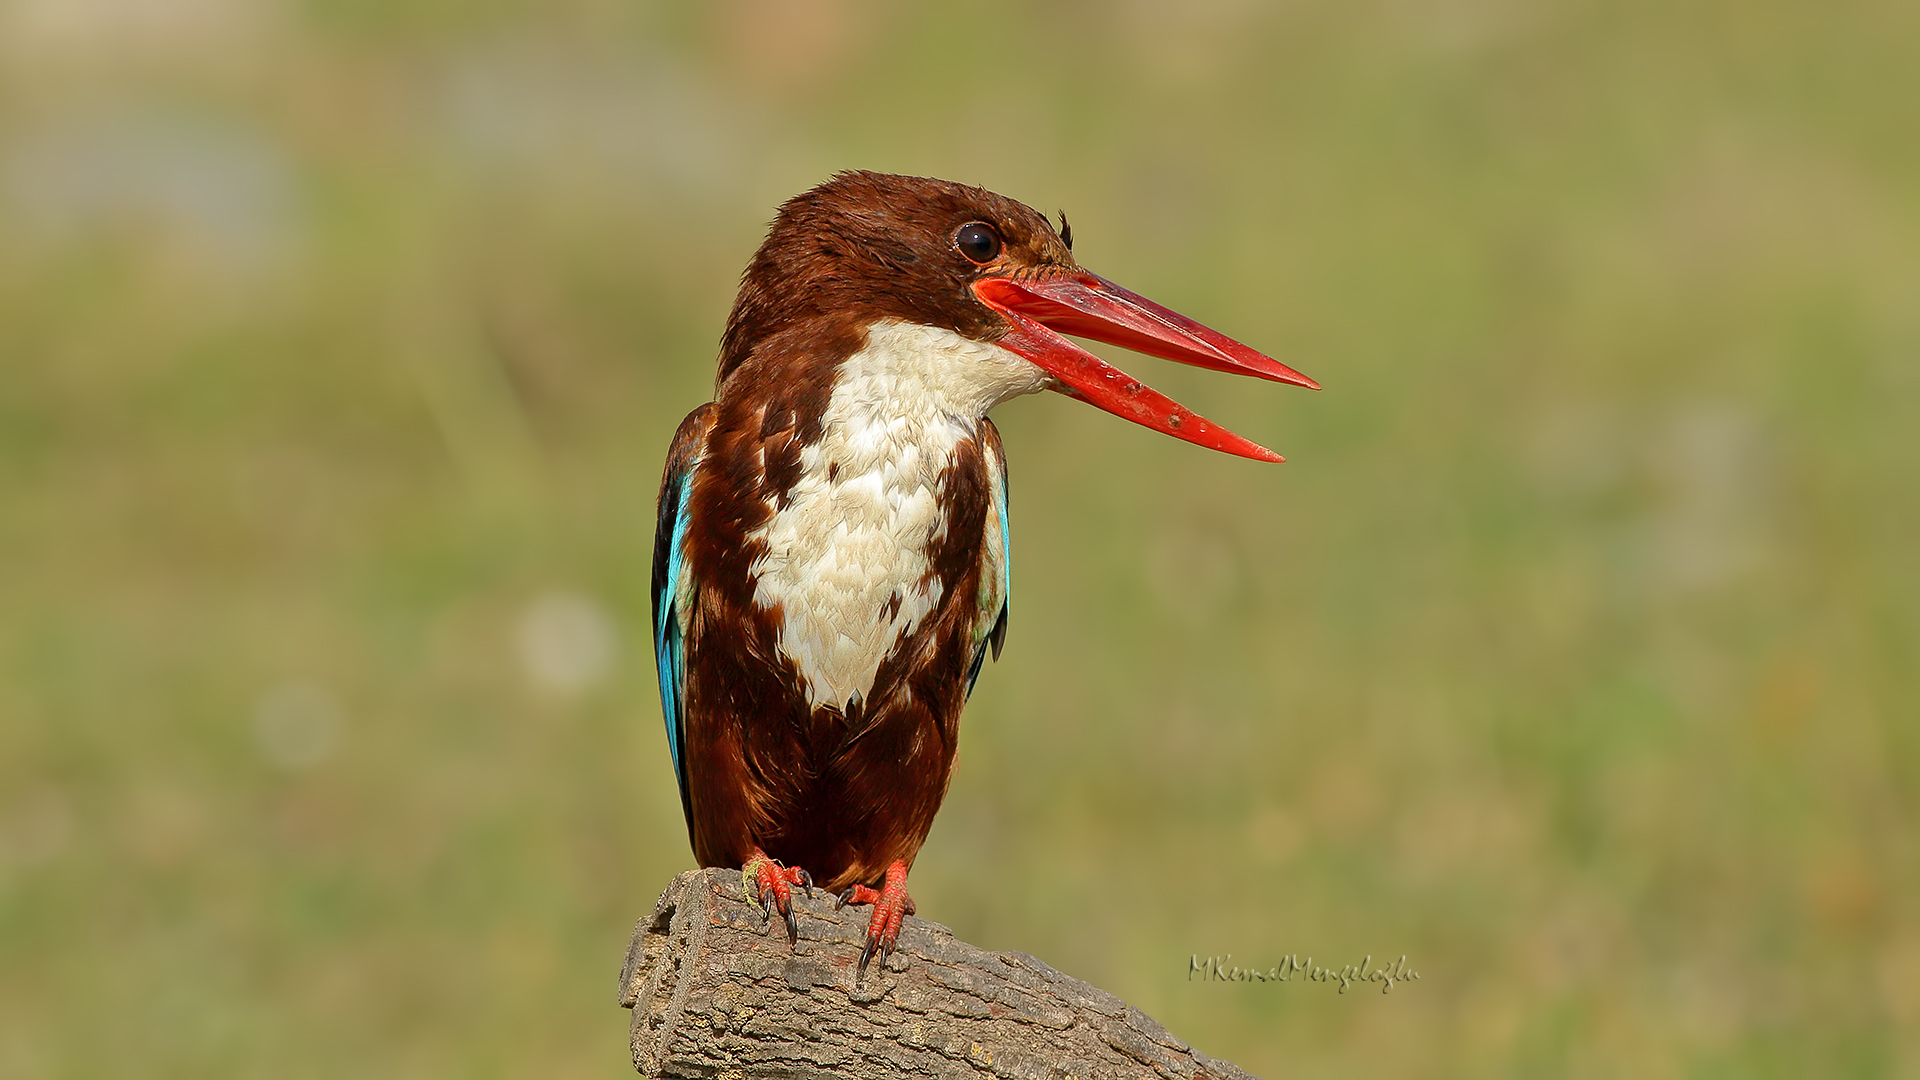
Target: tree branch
(715, 991)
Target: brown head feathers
(866, 246)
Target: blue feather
(670, 651)
(674, 514)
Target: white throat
(846, 557)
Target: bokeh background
(1575, 654)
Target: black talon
(841, 900)
(793, 928)
(766, 902)
(806, 882)
(866, 954)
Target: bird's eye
(978, 242)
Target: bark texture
(716, 992)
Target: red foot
(890, 905)
(771, 884)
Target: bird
(831, 564)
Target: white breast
(854, 533)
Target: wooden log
(717, 992)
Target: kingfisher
(831, 562)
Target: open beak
(1088, 305)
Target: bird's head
(866, 247)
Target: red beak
(1088, 305)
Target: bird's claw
(891, 905)
(769, 884)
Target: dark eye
(978, 242)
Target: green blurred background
(1575, 654)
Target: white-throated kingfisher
(831, 564)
